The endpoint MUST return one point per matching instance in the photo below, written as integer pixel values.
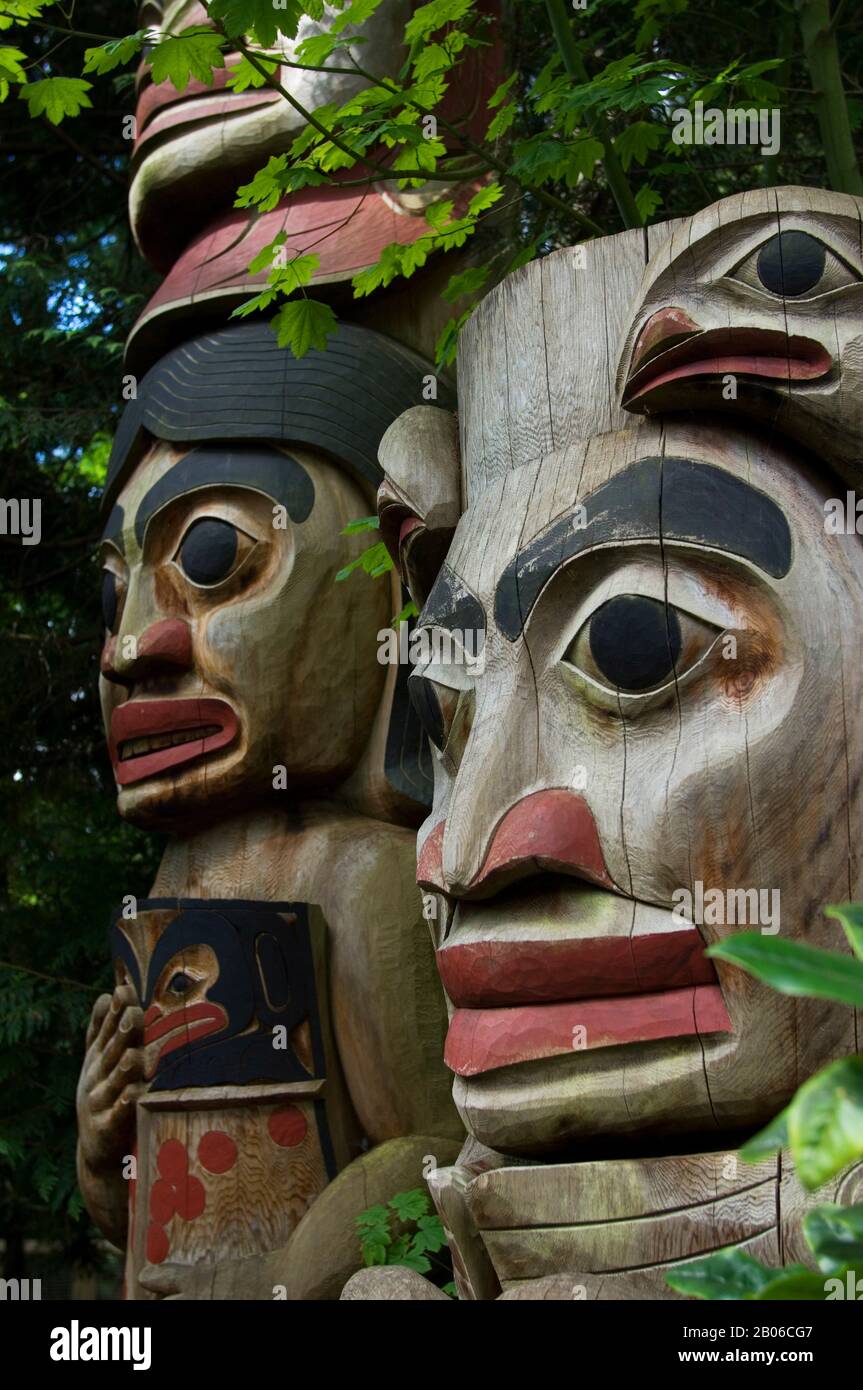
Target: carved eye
(109, 599)
(211, 550)
(636, 644)
(794, 265)
(180, 983)
(435, 705)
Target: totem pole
(663, 743)
(270, 1062)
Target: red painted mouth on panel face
(667, 352)
(481, 1040)
(149, 737)
(181, 1026)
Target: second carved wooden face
(193, 147)
(230, 652)
(660, 747)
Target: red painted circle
(217, 1151)
(287, 1127)
(191, 1198)
(157, 1243)
(173, 1161)
(162, 1201)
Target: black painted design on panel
(265, 978)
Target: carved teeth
(137, 747)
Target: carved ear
(419, 501)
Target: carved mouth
(149, 737)
(535, 975)
(675, 355)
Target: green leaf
(114, 54)
(409, 610)
(835, 1236)
(357, 13)
(647, 200)
(259, 18)
(316, 49)
(484, 199)
(195, 52)
(500, 92)
(851, 917)
(450, 1289)
(303, 324)
(825, 1122)
(264, 258)
(266, 187)
(19, 11)
(409, 1206)
(468, 282)
(363, 523)
(636, 141)
(413, 1260)
(429, 18)
(767, 1141)
(502, 121)
(11, 71)
(447, 342)
(295, 274)
(793, 967)
(796, 1283)
(244, 76)
(57, 97)
(728, 1274)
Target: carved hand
(111, 1080)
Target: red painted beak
(671, 348)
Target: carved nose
(165, 646)
(546, 831)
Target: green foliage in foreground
(822, 1128)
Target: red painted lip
(486, 974)
(183, 1026)
(482, 1040)
(149, 718)
(756, 352)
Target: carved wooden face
(668, 698)
(194, 147)
(230, 651)
(772, 299)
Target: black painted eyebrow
(670, 499)
(265, 470)
(452, 605)
(114, 527)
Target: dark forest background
(71, 285)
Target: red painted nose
(546, 831)
(165, 646)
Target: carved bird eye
(634, 644)
(794, 265)
(211, 550)
(180, 983)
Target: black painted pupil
(180, 984)
(109, 599)
(791, 263)
(209, 551)
(635, 641)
